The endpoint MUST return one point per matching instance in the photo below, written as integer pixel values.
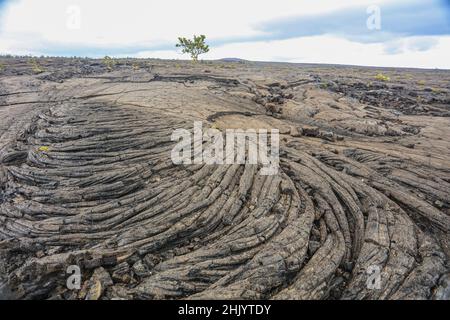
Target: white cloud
(422, 43)
(147, 23)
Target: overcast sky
(408, 33)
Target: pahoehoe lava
(86, 179)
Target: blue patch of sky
(418, 18)
(51, 49)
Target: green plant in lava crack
(324, 85)
(437, 90)
(35, 66)
(421, 82)
(382, 77)
(135, 66)
(2, 67)
(194, 47)
(109, 63)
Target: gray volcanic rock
(358, 209)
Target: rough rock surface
(86, 179)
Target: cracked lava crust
(86, 179)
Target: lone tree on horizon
(194, 47)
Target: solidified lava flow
(359, 208)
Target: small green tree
(194, 47)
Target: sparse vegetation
(44, 149)
(2, 67)
(109, 63)
(436, 90)
(382, 77)
(35, 66)
(193, 47)
(135, 66)
(229, 66)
